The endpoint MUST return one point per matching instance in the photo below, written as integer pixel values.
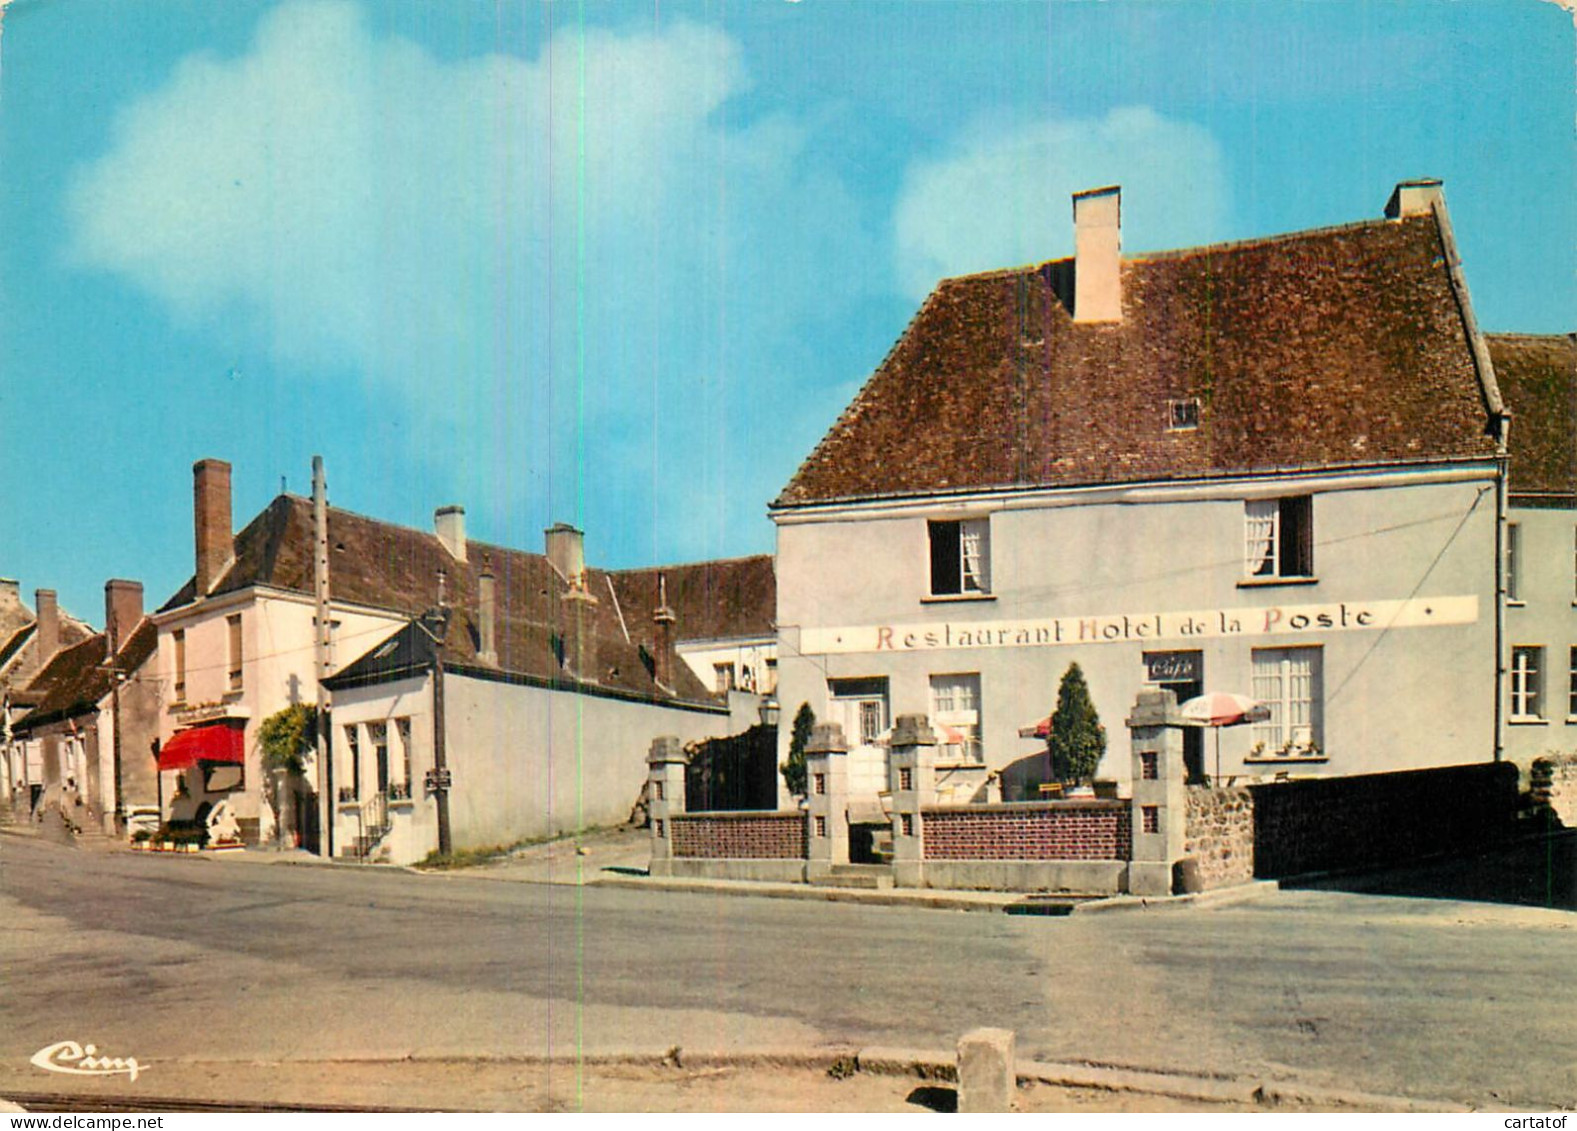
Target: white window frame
(1264, 532)
(725, 677)
(862, 707)
(1571, 688)
(178, 660)
(1513, 562)
(234, 651)
(974, 556)
(1527, 682)
(956, 705)
(1290, 681)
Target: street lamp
(770, 712)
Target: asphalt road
(213, 960)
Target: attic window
(1183, 415)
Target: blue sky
(622, 264)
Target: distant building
(1538, 377)
(556, 678)
(1270, 467)
(88, 737)
(724, 613)
(27, 643)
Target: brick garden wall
(1326, 824)
(1553, 784)
(1058, 830)
(1220, 835)
(740, 835)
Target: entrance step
(870, 877)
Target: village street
(217, 962)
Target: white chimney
(449, 523)
(487, 615)
(566, 548)
(1097, 255)
(1413, 198)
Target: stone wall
(1327, 824)
(1553, 785)
(763, 835)
(1220, 835)
(1056, 830)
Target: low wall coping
(739, 814)
(1063, 805)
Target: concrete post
(826, 801)
(987, 1076)
(1160, 812)
(911, 779)
(665, 763)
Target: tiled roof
(1343, 346)
(1538, 378)
(19, 653)
(385, 566)
(716, 600)
(76, 680)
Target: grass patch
(477, 857)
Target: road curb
(928, 1064)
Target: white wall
(1547, 617)
(1405, 697)
(526, 762)
(277, 670)
(746, 655)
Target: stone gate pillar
(1160, 813)
(665, 763)
(911, 780)
(826, 800)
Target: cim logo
(73, 1059)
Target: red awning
(218, 742)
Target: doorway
(1183, 674)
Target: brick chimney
(449, 523)
(47, 611)
(566, 548)
(487, 615)
(122, 613)
(1413, 198)
(211, 522)
(663, 633)
(1097, 255)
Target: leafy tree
(1077, 740)
(794, 768)
(286, 738)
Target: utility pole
(435, 623)
(115, 681)
(322, 641)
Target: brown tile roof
(384, 566)
(76, 680)
(717, 600)
(19, 659)
(1342, 346)
(1538, 378)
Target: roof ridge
(1261, 241)
(690, 565)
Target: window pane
(946, 563)
(1260, 526)
(1513, 559)
(976, 555)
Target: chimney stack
(449, 522)
(48, 620)
(578, 631)
(211, 522)
(1097, 255)
(122, 613)
(1413, 198)
(567, 553)
(663, 620)
(487, 615)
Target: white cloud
(541, 265)
(1002, 196)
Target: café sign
(1277, 621)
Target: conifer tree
(794, 768)
(1077, 740)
